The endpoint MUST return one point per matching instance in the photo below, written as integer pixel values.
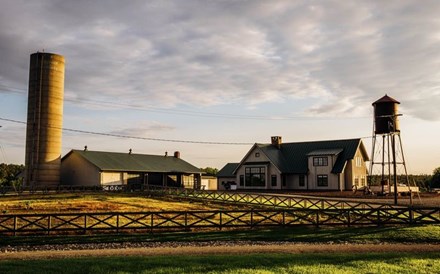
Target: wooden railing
(266, 200)
(115, 222)
(236, 197)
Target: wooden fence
(273, 200)
(267, 200)
(115, 222)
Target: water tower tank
(44, 120)
(385, 115)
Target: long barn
(99, 168)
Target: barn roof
(131, 162)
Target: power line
(150, 108)
(132, 137)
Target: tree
(435, 181)
(9, 174)
(210, 170)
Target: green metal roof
(113, 161)
(325, 152)
(228, 170)
(292, 157)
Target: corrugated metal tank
(385, 111)
(44, 120)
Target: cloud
(204, 53)
(144, 130)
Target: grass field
(95, 202)
(246, 263)
(252, 263)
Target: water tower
(387, 150)
(44, 120)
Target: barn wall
(75, 170)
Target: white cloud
(205, 53)
(241, 52)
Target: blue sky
(226, 71)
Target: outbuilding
(100, 168)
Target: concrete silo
(44, 120)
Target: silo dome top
(386, 99)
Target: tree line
(11, 174)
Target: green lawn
(254, 263)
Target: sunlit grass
(247, 263)
(95, 202)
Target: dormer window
(320, 161)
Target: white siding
(256, 158)
(314, 171)
(353, 171)
(112, 178)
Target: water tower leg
(393, 147)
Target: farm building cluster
(315, 165)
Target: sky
(235, 72)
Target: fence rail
(250, 198)
(115, 222)
(268, 200)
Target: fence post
(85, 223)
(152, 222)
(411, 215)
(252, 218)
(15, 225)
(117, 223)
(348, 217)
(317, 218)
(221, 221)
(49, 224)
(378, 217)
(284, 218)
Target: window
(302, 180)
(257, 154)
(255, 176)
(320, 161)
(241, 180)
(363, 180)
(356, 181)
(188, 181)
(358, 161)
(273, 180)
(322, 180)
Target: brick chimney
(276, 141)
(177, 154)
